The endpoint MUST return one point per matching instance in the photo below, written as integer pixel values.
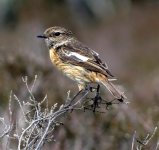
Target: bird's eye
(57, 33)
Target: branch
(142, 143)
(40, 121)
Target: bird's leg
(97, 96)
(97, 99)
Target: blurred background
(126, 35)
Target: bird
(77, 61)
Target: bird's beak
(42, 36)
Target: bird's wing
(80, 55)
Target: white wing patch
(78, 56)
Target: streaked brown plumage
(77, 61)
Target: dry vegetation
(127, 38)
(37, 122)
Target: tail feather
(113, 90)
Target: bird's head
(56, 36)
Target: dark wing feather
(94, 63)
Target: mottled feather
(93, 63)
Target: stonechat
(77, 61)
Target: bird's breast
(76, 73)
(55, 58)
(58, 63)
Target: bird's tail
(114, 90)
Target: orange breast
(54, 57)
(77, 73)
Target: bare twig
(157, 145)
(41, 126)
(40, 122)
(146, 140)
(133, 141)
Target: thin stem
(133, 141)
